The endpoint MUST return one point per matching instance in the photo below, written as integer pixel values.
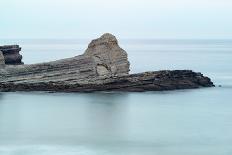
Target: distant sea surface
(183, 122)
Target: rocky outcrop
(103, 58)
(104, 66)
(11, 54)
(148, 81)
(110, 59)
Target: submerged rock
(104, 66)
(11, 54)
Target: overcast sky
(125, 18)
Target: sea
(182, 122)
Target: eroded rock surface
(148, 81)
(11, 54)
(109, 57)
(104, 66)
(103, 58)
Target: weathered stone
(2, 60)
(109, 57)
(103, 67)
(11, 54)
(148, 81)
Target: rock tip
(107, 35)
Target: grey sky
(124, 18)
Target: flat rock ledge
(148, 81)
(104, 66)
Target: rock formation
(110, 59)
(103, 67)
(11, 54)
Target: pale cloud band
(125, 18)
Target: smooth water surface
(192, 122)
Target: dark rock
(11, 54)
(103, 67)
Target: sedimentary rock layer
(148, 81)
(11, 54)
(104, 66)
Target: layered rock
(103, 58)
(11, 54)
(104, 66)
(148, 81)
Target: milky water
(193, 122)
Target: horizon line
(118, 38)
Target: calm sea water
(185, 122)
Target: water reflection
(117, 122)
(109, 112)
(176, 122)
(1, 97)
(46, 116)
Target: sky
(138, 19)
